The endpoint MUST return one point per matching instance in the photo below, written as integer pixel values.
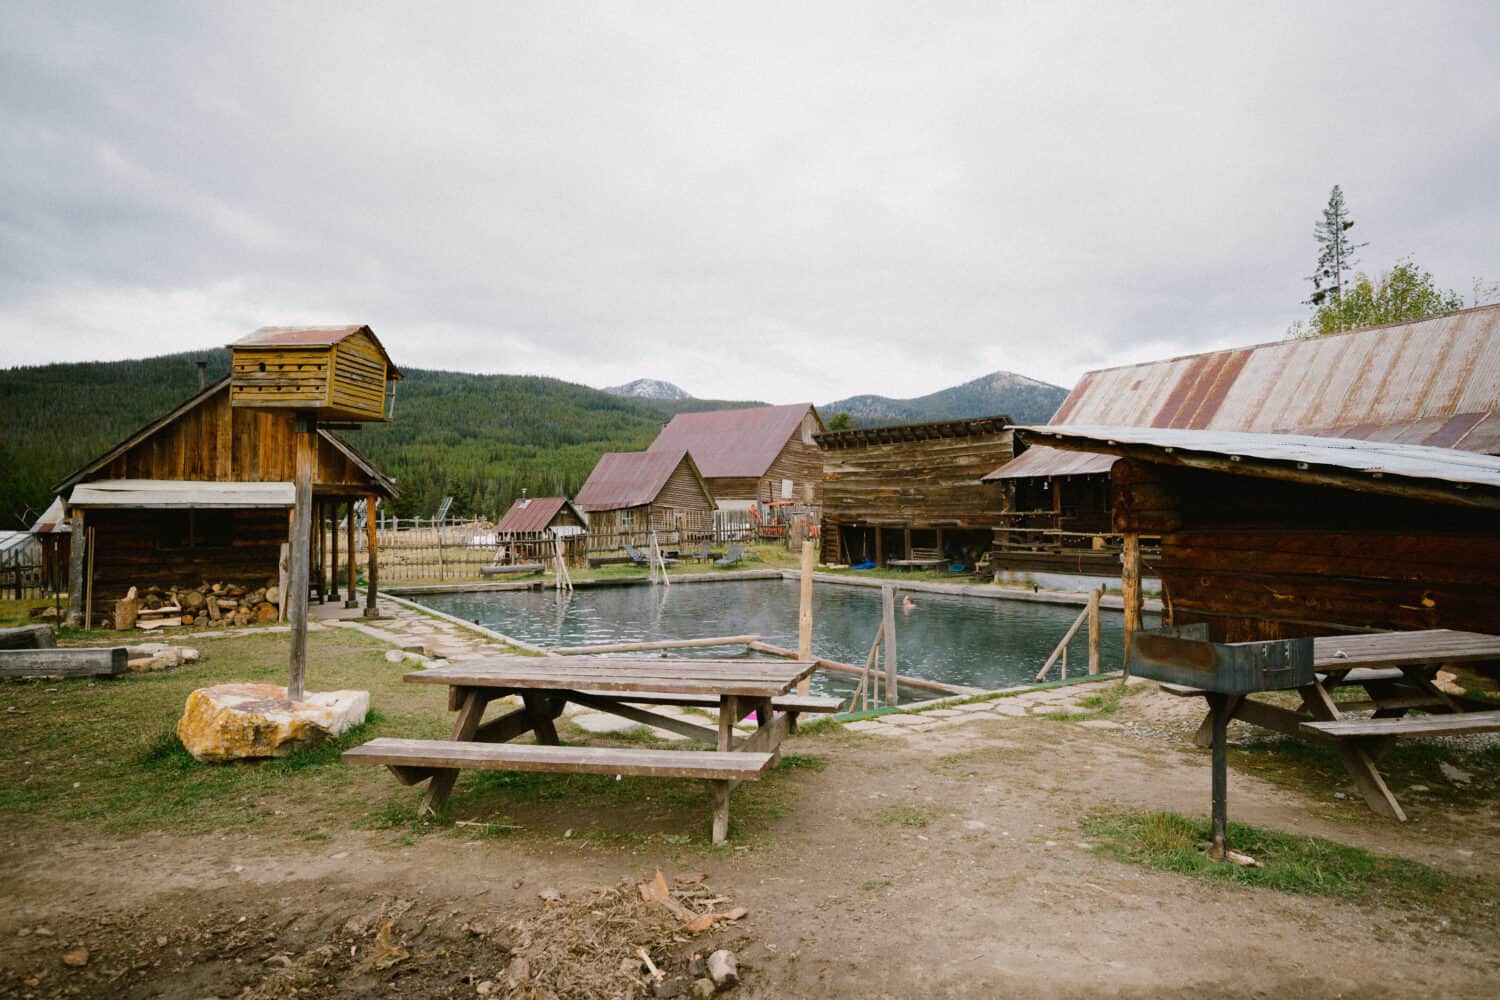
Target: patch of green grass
(74, 753)
(792, 762)
(870, 885)
(14, 613)
(904, 815)
(1309, 866)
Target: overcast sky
(781, 202)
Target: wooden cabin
(764, 453)
(1432, 382)
(337, 372)
(528, 530)
(1269, 536)
(204, 493)
(631, 494)
(912, 493)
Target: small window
(786, 489)
(627, 517)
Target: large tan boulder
(238, 721)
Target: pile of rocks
(209, 604)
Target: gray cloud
(775, 201)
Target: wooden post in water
(805, 612)
(1130, 589)
(888, 618)
(300, 578)
(1094, 629)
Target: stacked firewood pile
(209, 604)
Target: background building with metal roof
(758, 453)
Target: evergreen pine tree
(1336, 258)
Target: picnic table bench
(1396, 670)
(737, 688)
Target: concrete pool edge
(988, 591)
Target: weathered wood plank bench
(708, 764)
(516, 568)
(920, 559)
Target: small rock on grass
(77, 958)
(703, 988)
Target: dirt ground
(983, 885)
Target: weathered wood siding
(217, 442)
(1260, 559)
(683, 491)
(359, 373)
(801, 461)
(917, 483)
(137, 548)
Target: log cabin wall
(918, 484)
(181, 548)
(1262, 559)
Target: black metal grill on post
(1224, 672)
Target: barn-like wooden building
(204, 493)
(1267, 536)
(1433, 382)
(632, 493)
(912, 493)
(763, 453)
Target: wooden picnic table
(1396, 670)
(619, 686)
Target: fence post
(805, 613)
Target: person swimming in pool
(907, 604)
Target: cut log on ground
(63, 662)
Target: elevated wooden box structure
(337, 373)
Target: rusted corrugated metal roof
(532, 514)
(312, 336)
(734, 444)
(629, 479)
(1386, 467)
(1433, 382)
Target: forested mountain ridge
(480, 438)
(1024, 400)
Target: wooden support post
(372, 571)
(805, 612)
(721, 810)
(906, 541)
(349, 601)
(75, 569)
(1094, 629)
(333, 552)
(88, 593)
(283, 580)
(879, 554)
(1130, 589)
(306, 438)
(888, 620)
(728, 716)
